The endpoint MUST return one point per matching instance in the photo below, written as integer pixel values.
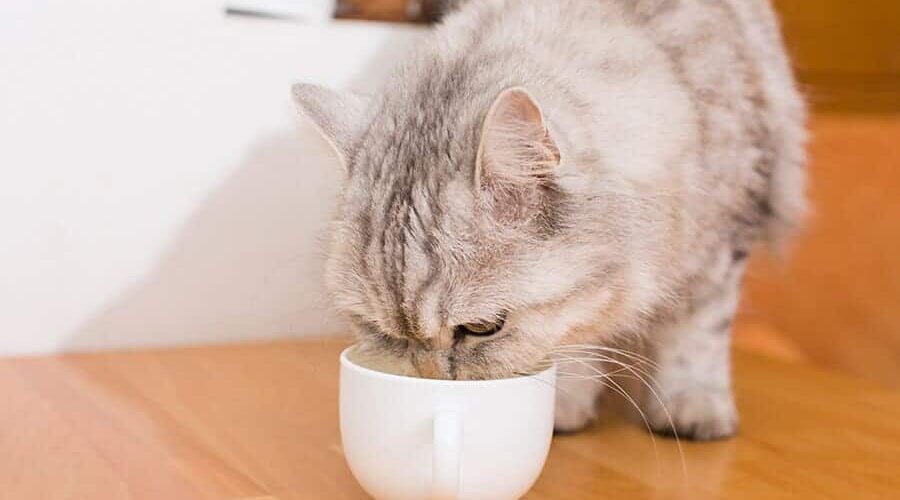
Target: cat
(541, 174)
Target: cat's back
(749, 118)
(723, 55)
(702, 88)
(710, 45)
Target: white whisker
(603, 358)
(620, 390)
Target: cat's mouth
(455, 364)
(497, 363)
(497, 358)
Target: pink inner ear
(516, 146)
(515, 105)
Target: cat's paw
(698, 414)
(573, 413)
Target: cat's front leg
(578, 386)
(694, 396)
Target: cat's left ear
(340, 116)
(517, 146)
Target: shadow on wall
(248, 263)
(239, 268)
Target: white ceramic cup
(411, 439)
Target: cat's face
(456, 252)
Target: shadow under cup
(412, 438)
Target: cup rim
(346, 362)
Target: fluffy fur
(589, 170)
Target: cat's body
(574, 171)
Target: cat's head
(463, 247)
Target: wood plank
(836, 298)
(260, 421)
(838, 37)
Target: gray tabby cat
(543, 173)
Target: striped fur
(680, 136)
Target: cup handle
(445, 461)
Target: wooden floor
(260, 422)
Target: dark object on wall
(427, 11)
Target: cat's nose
(431, 365)
(443, 339)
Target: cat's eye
(481, 328)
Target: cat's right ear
(340, 116)
(517, 147)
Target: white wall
(154, 186)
